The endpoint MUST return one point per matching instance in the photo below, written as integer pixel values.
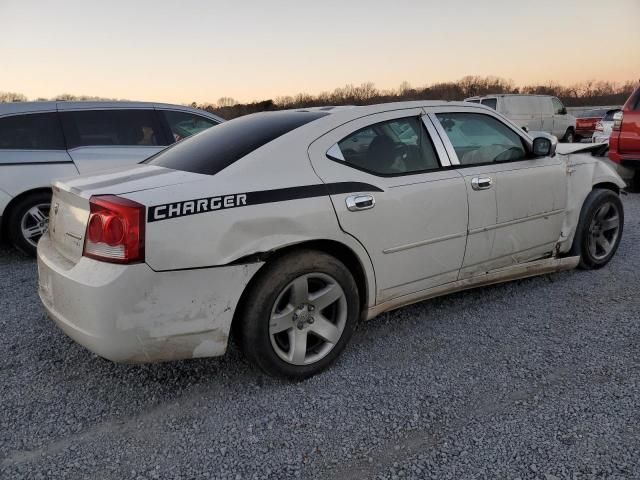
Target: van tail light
(617, 121)
(115, 230)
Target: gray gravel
(533, 379)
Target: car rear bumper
(133, 314)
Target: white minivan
(534, 113)
(42, 141)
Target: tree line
(590, 93)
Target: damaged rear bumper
(133, 314)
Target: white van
(535, 113)
(41, 141)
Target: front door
(411, 215)
(560, 118)
(517, 202)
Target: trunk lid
(70, 202)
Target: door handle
(481, 183)
(361, 201)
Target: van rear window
(216, 148)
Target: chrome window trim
(440, 146)
(451, 153)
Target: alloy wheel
(35, 223)
(308, 319)
(604, 230)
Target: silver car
(42, 141)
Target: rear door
(109, 138)
(516, 203)
(411, 212)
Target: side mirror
(543, 147)
(563, 111)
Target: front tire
(299, 315)
(28, 221)
(599, 229)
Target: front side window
(558, 108)
(394, 147)
(34, 131)
(112, 127)
(479, 139)
(490, 102)
(183, 125)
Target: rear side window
(217, 148)
(479, 139)
(112, 127)
(183, 124)
(34, 131)
(395, 147)
(490, 102)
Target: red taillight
(115, 231)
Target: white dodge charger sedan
(287, 228)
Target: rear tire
(299, 315)
(599, 229)
(569, 136)
(28, 221)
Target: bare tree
(226, 102)
(6, 97)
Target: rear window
(34, 131)
(490, 102)
(215, 149)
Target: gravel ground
(533, 379)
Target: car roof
(50, 106)
(495, 95)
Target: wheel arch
(334, 248)
(4, 228)
(608, 186)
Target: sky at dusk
(197, 50)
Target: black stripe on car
(234, 200)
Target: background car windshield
(478, 138)
(609, 115)
(394, 147)
(217, 148)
